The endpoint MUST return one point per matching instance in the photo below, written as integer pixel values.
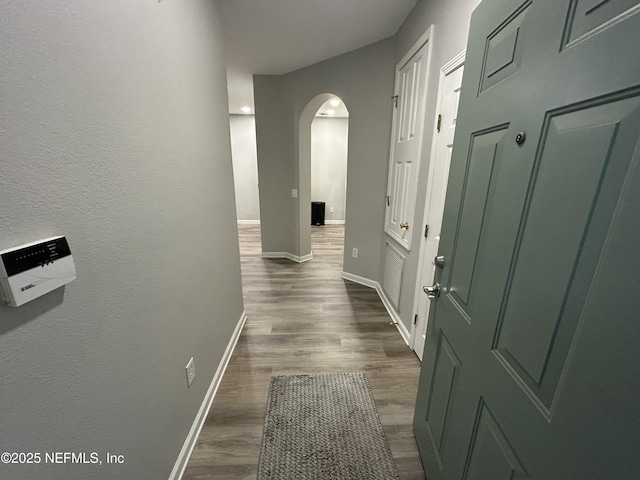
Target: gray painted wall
(276, 171)
(363, 79)
(245, 166)
(329, 164)
(115, 132)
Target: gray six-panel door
(531, 368)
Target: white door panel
(448, 99)
(408, 123)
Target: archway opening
(322, 167)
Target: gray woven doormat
(323, 427)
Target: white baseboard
(305, 258)
(287, 255)
(334, 222)
(404, 333)
(190, 442)
(358, 279)
(394, 315)
(248, 222)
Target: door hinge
(426, 231)
(415, 319)
(388, 200)
(439, 121)
(395, 97)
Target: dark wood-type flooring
(303, 318)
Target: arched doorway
(331, 109)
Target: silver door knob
(432, 291)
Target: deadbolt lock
(439, 261)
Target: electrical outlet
(191, 372)
(294, 193)
(354, 253)
(330, 209)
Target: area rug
(323, 427)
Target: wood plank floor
(303, 318)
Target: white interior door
(408, 121)
(448, 99)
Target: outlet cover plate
(191, 372)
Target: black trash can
(317, 213)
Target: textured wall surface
(245, 166)
(363, 79)
(276, 171)
(329, 164)
(114, 131)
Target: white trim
(424, 38)
(361, 280)
(190, 442)
(248, 222)
(334, 222)
(287, 255)
(453, 64)
(404, 333)
(394, 315)
(303, 259)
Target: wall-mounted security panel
(31, 270)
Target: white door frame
(449, 67)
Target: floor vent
(393, 269)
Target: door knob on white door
(404, 226)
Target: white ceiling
(333, 107)
(279, 36)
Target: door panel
(443, 380)
(586, 16)
(504, 50)
(483, 153)
(408, 121)
(531, 365)
(398, 186)
(534, 336)
(490, 455)
(448, 100)
(413, 73)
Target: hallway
(303, 318)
